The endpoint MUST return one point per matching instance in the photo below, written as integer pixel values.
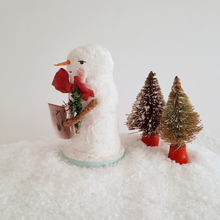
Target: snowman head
(90, 62)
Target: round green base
(92, 164)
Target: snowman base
(89, 162)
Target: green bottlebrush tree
(148, 107)
(75, 105)
(179, 122)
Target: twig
(85, 111)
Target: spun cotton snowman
(97, 143)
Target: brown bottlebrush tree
(148, 107)
(179, 122)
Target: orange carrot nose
(63, 63)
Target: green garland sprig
(75, 105)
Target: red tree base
(179, 155)
(152, 141)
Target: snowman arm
(85, 111)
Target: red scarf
(62, 84)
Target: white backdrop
(168, 37)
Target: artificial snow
(36, 183)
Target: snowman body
(98, 142)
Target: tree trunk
(178, 154)
(152, 141)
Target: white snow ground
(35, 183)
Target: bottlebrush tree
(179, 122)
(148, 108)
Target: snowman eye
(70, 71)
(81, 62)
